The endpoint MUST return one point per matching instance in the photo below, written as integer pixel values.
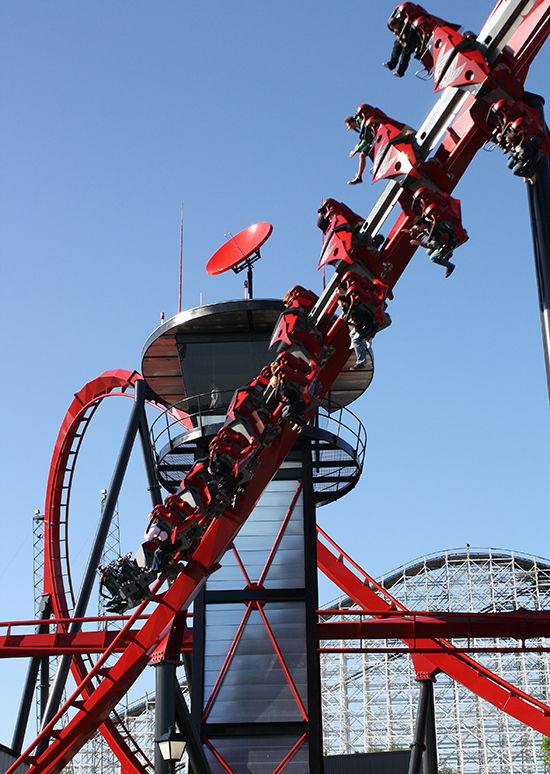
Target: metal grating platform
(338, 442)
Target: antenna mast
(181, 258)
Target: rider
(366, 121)
(358, 343)
(364, 146)
(438, 226)
(409, 39)
(519, 131)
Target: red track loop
(57, 575)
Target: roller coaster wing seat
(124, 584)
(412, 25)
(519, 130)
(395, 152)
(370, 118)
(296, 383)
(229, 454)
(367, 302)
(199, 481)
(250, 410)
(345, 240)
(343, 226)
(370, 115)
(366, 119)
(173, 513)
(437, 226)
(160, 555)
(293, 327)
(172, 529)
(457, 60)
(300, 298)
(331, 209)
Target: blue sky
(115, 113)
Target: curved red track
(57, 575)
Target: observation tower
(255, 675)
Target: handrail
(168, 419)
(61, 621)
(339, 419)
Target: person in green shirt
(367, 134)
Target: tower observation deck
(195, 362)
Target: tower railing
(180, 436)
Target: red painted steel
(116, 681)
(519, 625)
(60, 643)
(71, 434)
(423, 649)
(239, 248)
(218, 756)
(77, 643)
(241, 565)
(95, 702)
(285, 760)
(58, 491)
(358, 585)
(57, 576)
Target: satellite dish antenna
(241, 252)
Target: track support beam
(424, 732)
(194, 748)
(538, 194)
(37, 664)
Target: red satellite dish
(240, 252)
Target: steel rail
(360, 587)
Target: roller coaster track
(99, 690)
(58, 584)
(369, 595)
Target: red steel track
(57, 576)
(359, 587)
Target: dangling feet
(356, 180)
(450, 268)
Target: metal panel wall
(255, 672)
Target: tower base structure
(255, 675)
